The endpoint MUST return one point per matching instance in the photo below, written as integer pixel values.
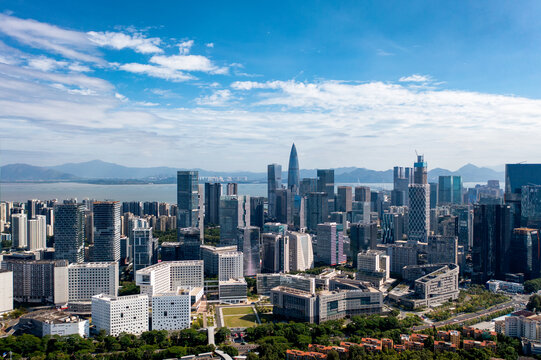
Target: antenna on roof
(416, 153)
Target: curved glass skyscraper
(293, 174)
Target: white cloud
(218, 98)
(185, 47)
(156, 71)
(121, 97)
(70, 44)
(209, 45)
(118, 40)
(188, 63)
(46, 64)
(415, 78)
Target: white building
(37, 233)
(53, 322)
(301, 254)
(118, 314)
(233, 291)
(169, 275)
(88, 279)
(373, 266)
(6, 291)
(230, 265)
(171, 310)
(18, 231)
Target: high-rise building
(491, 242)
(373, 266)
(362, 193)
(308, 185)
(442, 249)
(450, 190)
(344, 199)
(284, 206)
(433, 195)
(517, 176)
(257, 211)
(301, 254)
(274, 182)
(402, 178)
(234, 213)
(171, 310)
(525, 253)
(6, 291)
(275, 253)
(120, 314)
(360, 212)
(190, 241)
(293, 172)
(19, 231)
(210, 255)
(169, 275)
(230, 265)
(362, 237)
(145, 248)
(330, 244)
(420, 172)
(530, 203)
(231, 189)
(37, 233)
(88, 279)
(317, 210)
(325, 183)
(106, 231)
(419, 202)
(188, 199)
(69, 232)
(213, 192)
(248, 244)
(393, 224)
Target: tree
(221, 335)
(534, 302)
(229, 350)
(333, 355)
(533, 285)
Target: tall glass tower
(188, 199)
(293, 174)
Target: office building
(325, 184)
(530, 203)
(234, 213)
(402, 178)
(106, 231)
(301, 254)
(308, 185)
(145, 248)
(257, 211)
(402, 253)
(450, 190)
(69, 232)
(362, 237)
(330, 244)
(248, 244)
(39, 281)
(293, 172)
(230, 265)
(344, 198)
(434, 188)
(19, 231)
(88, 279)
(188, 199)
(274, 182)
(265, 282)
(231, 189)
(373, 266)
(517, 176)
(233, 291)
(317, 210)
(361, 212)
(209, 254)
(37, 233)
(275, 253)
(491, 242)
(120, 314)
(171, 251)
(419, 212)
(525, 253)
(169, 275)
(464, 214)
(392, 225)
(190, 243)
(442, 249)
(284, 206)
(213, 193)
(171, 310)
(362, 193)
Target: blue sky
(229, 85)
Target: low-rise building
(88, 279)
(169, 275)
(53, 322)
(373, 266)
(171, 310)
(233, 291)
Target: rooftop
(52, 317)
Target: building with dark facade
(106, 231)
(213, 192)
(188, 199)
(69, 232)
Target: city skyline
(169, 90)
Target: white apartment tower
(88, 279)
(118, 314)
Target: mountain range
(97, 171)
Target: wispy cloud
(416, 78)
(218, 98)
(156, 71)
(118, 41)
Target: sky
(230, 85)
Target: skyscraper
(18, 231)
(491, 242)
(419, 202)
(190, 241)
(275, 253)
(402, 178)
(145, 248)
(362, 193)
(293, 172)
(308, 185)
(301, 254)
(213, 192)
(234, 212)
(106, 231)
(344, 199)
(317, 210)
(274, 182)
(450, 190)
(330, 244)
(188, 199)
(517, 176)
(69, 232)
(257, 213)
(37, 233)
(248, 243)
(362, 237)
(232, 189)
(325, 183)
(525, 254)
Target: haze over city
(229, 86)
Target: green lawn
(246, 320)
(237, 310)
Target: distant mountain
(97, 171)
(24, 172)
